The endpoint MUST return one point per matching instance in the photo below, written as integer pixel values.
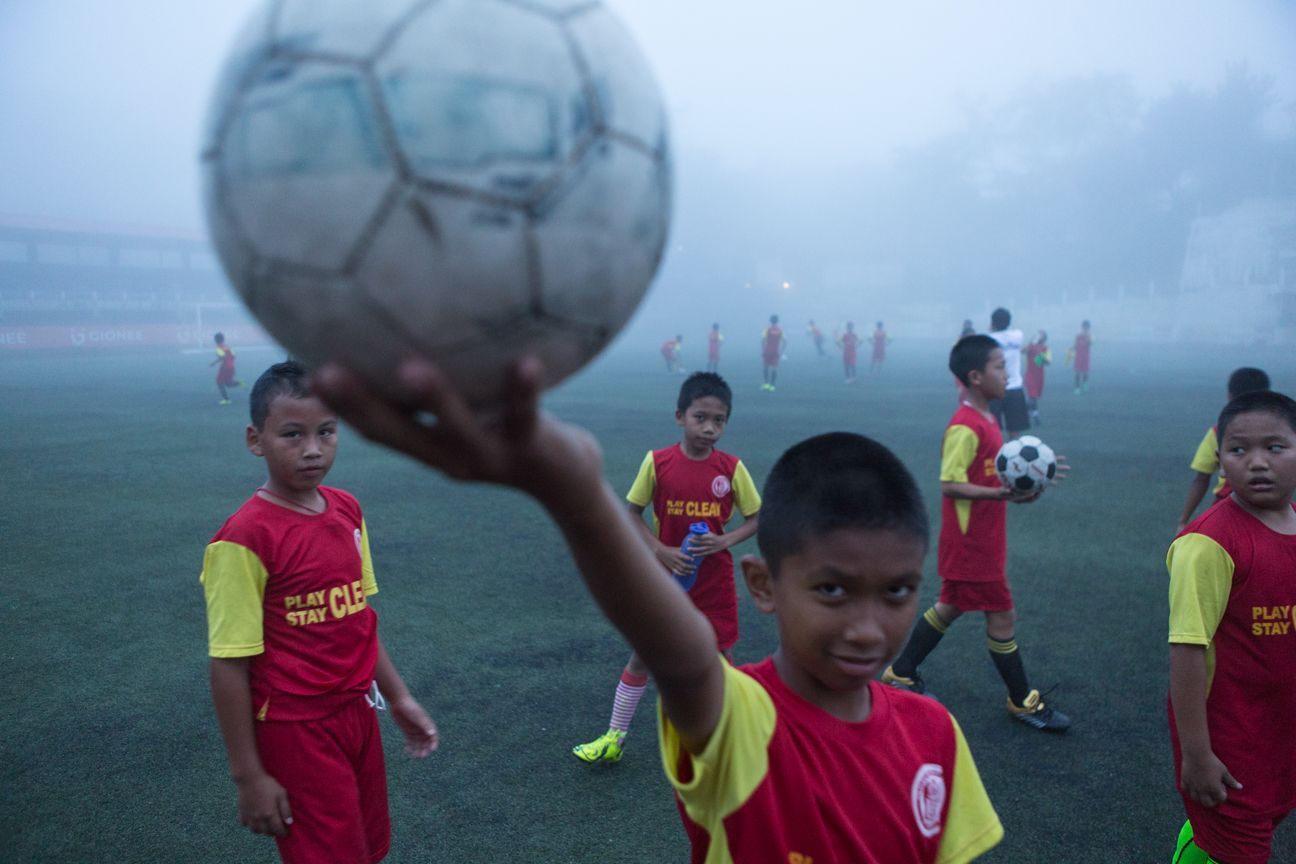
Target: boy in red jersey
(801, 757)
(1206, 461)
(816, 336)
(714, 338)
(225, 374)
(295, 654)
(1038, 356)
(849, 343)
(1232, 648)
(670, 351)
(687, 483)
(880, 340)
(1080, 357)
(772, 345)
(973, 548)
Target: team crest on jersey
(928, 797)
(720, 486)
(359, 543)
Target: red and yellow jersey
(1233, 591)
(781, 780)
(850, 341)
(289, 590)
(713, 344)
(1206, 461)
(225, 355)
(815, 333)
(670, 348)
(772, 340)
(973, 544)
(1080, 351)
(880, 340)
(682, 491)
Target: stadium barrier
(96, 336)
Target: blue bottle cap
(700, 528)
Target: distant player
(801, 758)
(816, 336)
(1232, 648)
(714, 338)
(880, 340)
(296, 663)
(973, 547)
(670, 351)
(849, 343)
(772, 345)
(225, 375)
(685, 483)
(1205, 461)
(1038, 356)
(1080, 358)
(1010, 410)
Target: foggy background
(837, 160)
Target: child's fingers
(1230, 782)
(285, 814)
(522, 402)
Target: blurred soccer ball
(1026, 464)
(464, 178)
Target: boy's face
(992, 381)
(844, 605)
(1258, 455)
(298, 443)
(703, 423)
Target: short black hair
(700, 385)
(287, 378)
(1257, 401)
(836, 481)
(773, 319)
(1000, 319)
(220, 337)
(971, 353)
(1246, 380)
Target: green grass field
(117, 469)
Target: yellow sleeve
(958, 451)
(641, 491)
(745, 494)
(735, 760)
(1205, 461)
(972, 826)
(233, 580)
(367, 580)
(1201, 577)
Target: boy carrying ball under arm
(803, 756)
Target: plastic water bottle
(695, 530)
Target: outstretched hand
(518, 446)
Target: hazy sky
(101, 101)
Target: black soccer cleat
(1035, 714)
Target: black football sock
(1007, 660)
(923, 640)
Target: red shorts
(770, 359)
(336, 780)
(976, 596)
(225, 376)
(1228, 836)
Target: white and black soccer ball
(1026, 464)
(462, 178)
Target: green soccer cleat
(605, 748)
(224, 402)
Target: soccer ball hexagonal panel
(1026, 464)
(338, 27)
(251, 47)
(627, 94)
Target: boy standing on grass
(714, 338)
(849, 343)
(1206, 461)
(297, 668)
(687, 483)
(973, 549)
(773, 344)
(225, 374)
(1232, 648)
(802, 757)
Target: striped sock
(923, 640)
(1007, 660)
(630, 690)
